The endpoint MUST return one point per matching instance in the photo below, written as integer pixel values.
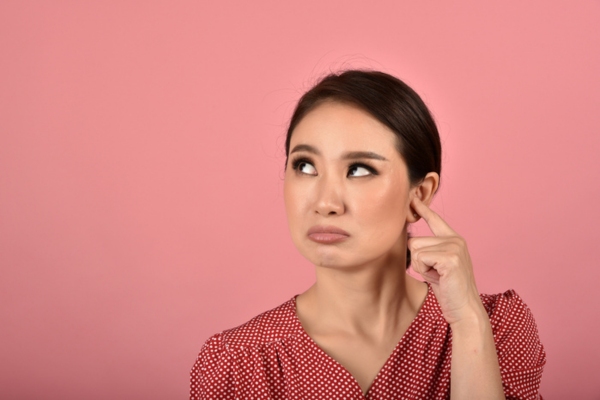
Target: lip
(327, 234)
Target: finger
(425, 265)
(438, 226)
(451, 244)
(420, 242)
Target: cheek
(382, 211)
(293, 199)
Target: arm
(444, 261)
(475, 371)
(493, 357)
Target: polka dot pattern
(272, 357)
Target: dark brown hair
(390, 101)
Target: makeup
(327, 234)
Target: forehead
(335, 127)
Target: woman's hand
(443, 260)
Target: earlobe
(416, 217)
(412, 216)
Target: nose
(329, 199)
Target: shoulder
(270, 326)
(512, 323)
(226, 357)
(501, 303)
(521, 354)
(508, 310)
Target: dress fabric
(272, 357)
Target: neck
(373, 299)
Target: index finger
(438, 226)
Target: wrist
(473, 320)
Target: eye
(304, 167)
(361, 170)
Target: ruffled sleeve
(232, 371)
(212, 374)
(521, 355)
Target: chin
(324, 257)
(333, 259)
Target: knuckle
(458, 243)
(411, 244)
(414, 256)
(454, 259)
(455, 247)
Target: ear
(424, 190)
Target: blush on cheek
(386, 221)
(387, 232)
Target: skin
(363, 300)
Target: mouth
(327, 234)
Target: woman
(363, 163)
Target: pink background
(141, 160)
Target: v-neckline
(420, 315)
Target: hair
(390, 101)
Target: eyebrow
(351, 155)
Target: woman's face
(344, 172)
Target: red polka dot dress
(272, 357)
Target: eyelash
(296, 163)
